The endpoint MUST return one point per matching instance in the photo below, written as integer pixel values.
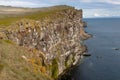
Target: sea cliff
(55, 41)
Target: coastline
(54, 40)
(104, 47)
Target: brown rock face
(58, 38)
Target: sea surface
(104, 64)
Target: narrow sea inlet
(104, 64)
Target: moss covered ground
(12, 64)
(8, 19)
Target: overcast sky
(91, 8)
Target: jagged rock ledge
(56, 40)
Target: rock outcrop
(56, 40)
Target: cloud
(77, 3)
(21, 3)
(103, 1)
(86, 1)
(96, 15)
(107, 15)
(116, 2)
(90, 13)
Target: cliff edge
(55, 41)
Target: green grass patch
(54, 68)
(7, 20)
(1, 67)
(8, 41)
(15, 67)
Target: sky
(91, 8)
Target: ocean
(104, 64)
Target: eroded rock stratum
(55, 41)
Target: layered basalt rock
(56, 40)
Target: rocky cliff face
(56, 41)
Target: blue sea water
(104, 64)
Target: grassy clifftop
(9, 15)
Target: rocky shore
(55, 41)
